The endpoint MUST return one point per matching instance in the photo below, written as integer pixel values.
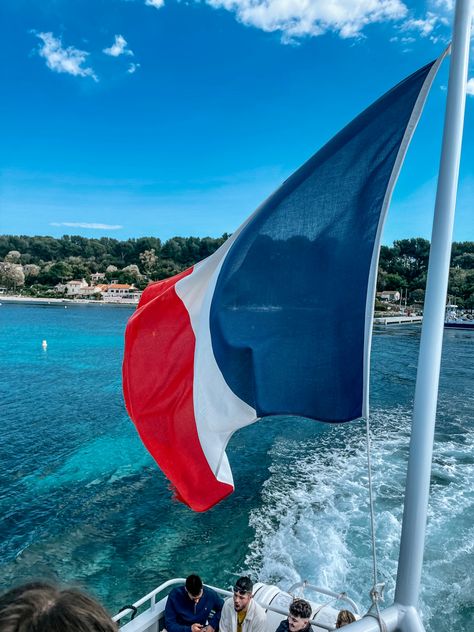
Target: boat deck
(151, 607)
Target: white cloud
(447, 5)
(298, 18)
(87, 225)
(403, 40)
(119, 47)
(470, 86)
(155, 3)
(133, 68)
(423, 26)
(69, 60)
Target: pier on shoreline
(397, 320)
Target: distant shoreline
(30, 300)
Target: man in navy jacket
(193, 608)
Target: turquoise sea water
(82, 501)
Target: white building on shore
(117, 292)
(111, 293)
(76, 288)
(390, 296)
(96, 277)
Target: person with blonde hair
(43, 607)
(344, 618)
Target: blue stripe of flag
(288, 313)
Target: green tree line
(37, 264)
(404, 266)
(46, 261)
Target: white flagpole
(426, 392)
(403, 615)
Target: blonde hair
(344, 618)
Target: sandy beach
(64, 301)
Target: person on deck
(193, 607)
(241, 613)
(298, 619)
(344, 618)
(44, 607)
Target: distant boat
(454, 321)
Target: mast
(426, 391)
(403, 615)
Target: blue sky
(126, 118)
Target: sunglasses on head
(240, 591)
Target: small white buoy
(44, 344)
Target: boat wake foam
(313, 522)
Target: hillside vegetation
(35, 265)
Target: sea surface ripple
(82, 501)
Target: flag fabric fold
(278, 320)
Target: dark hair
(244, 583)
(344, 618)
(42, 607)
(300, 608)
(193, 585)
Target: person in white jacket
(241, 613)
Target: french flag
(278, 320)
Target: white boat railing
(151, 598)
(325, 591)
